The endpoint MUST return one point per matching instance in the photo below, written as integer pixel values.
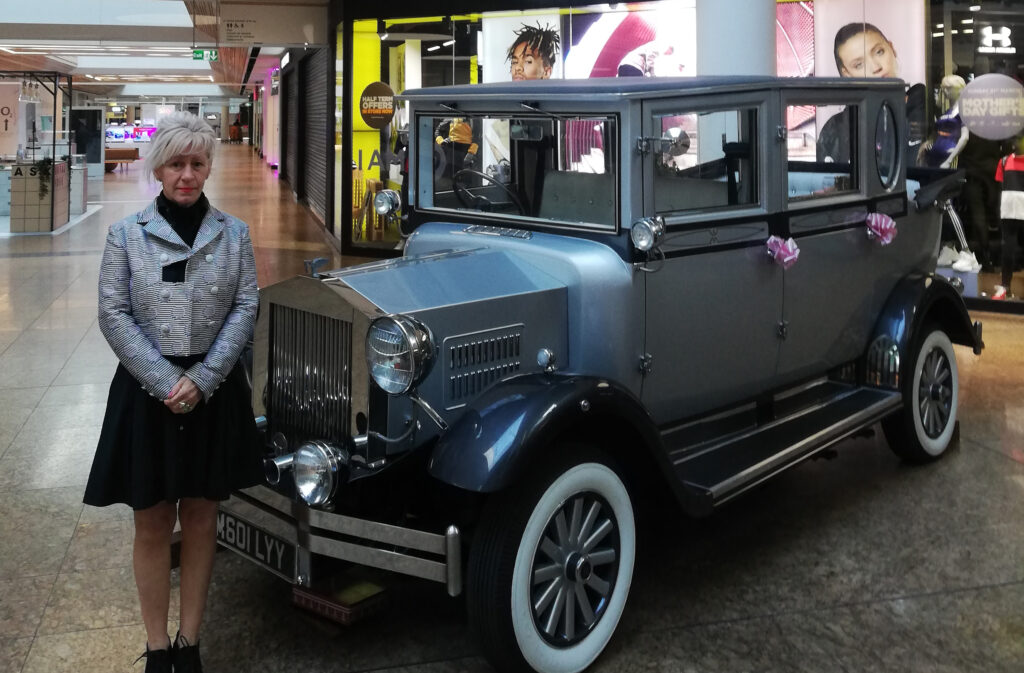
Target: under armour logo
(990, 35)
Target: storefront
(384, 50)
(303, 103)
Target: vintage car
(628, 283)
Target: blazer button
(209, 258)
(166, 294)
(164, 257)
(214, 289)
(166, 329)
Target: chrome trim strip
(378, 532)
(379, 558)
(758, 473)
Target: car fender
(509, 426)
(915, 301)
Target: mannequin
(951, 134)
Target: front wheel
(551, 567)
(924, 429)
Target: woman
(177, 303)
(862, 50)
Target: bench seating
(115, 156)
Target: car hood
(445, 278)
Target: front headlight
(398, 353)
(315, 469)
(387, 201)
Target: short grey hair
(180, 133)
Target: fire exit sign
(204, 55)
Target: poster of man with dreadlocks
(522, 46)
(533, 53)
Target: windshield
(562, 169)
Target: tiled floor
(855, 564)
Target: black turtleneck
(185, 220)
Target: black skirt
(147, 454)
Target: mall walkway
(860, 563)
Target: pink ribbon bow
(881, 227)
(784, 252)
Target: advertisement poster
(658, 41)
(868, 38)
(526, 46)
(9, 117)
(794, 39)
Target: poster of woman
(869, 38)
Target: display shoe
(1000, 293)
(947, 256)
(157, 661)
(185, 656)
(967, 262)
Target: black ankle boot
(157, 661)
(185, 656)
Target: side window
(706, 160)
(887, 156)
(821, 150)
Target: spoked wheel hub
(574, 569)
(936, 393)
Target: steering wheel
(471, 200)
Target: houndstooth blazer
(145, 319)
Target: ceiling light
(434, 48)
(968, 31)
(940, 25)
(384, 35)
(967, 21)
(89, 76)
(975, 8)
(448, 43)
(936, 34)
(955, 31)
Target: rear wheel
(551, 567)
(924, 429)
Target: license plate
(257, 545)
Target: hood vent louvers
(473, 362)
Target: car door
(714, 299)
(834, 291)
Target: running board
(716, 474)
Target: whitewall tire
(558, 557)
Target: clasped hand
(184, 396)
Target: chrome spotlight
(647, 232)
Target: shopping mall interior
(855, 561)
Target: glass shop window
(705, 160)
(821, 150)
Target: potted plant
(44, 170)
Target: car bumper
(282, 536)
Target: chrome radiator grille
(310, 374)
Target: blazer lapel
(155, 225)
(210, 228)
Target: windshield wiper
(532, 107)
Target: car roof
(619, 87)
